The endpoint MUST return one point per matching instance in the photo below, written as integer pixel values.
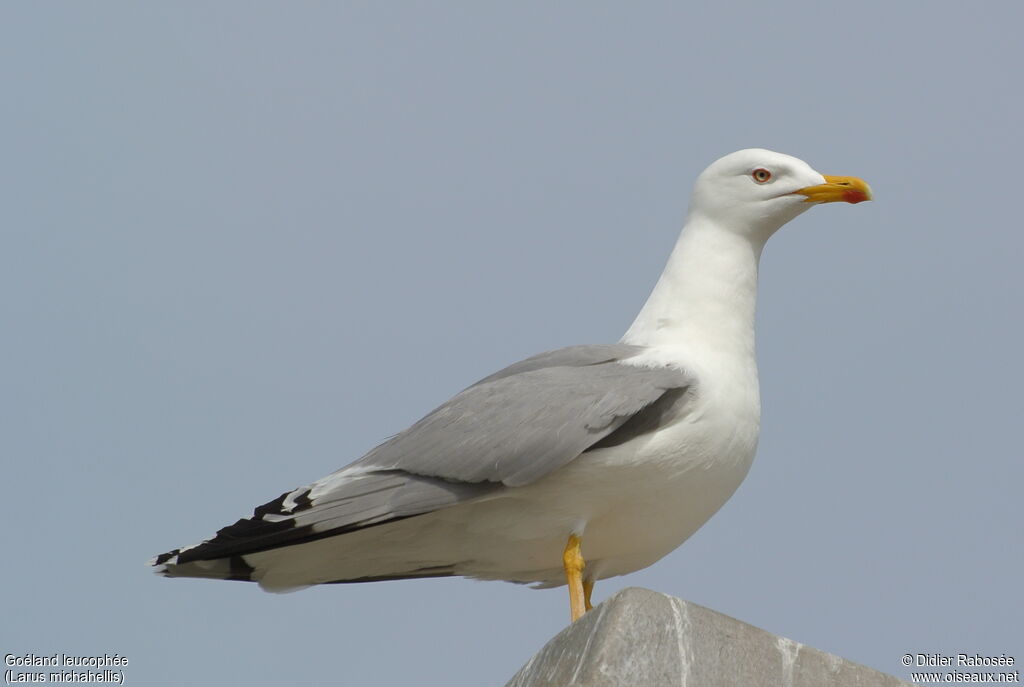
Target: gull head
(755, 191)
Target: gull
(571, 466)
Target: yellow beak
(848, 189)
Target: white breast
(667, 485)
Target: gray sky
(242, 243)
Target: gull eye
(761, 175)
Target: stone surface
(640, 637)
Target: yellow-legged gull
(571, 466)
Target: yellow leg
(588, 589)
(572, 561)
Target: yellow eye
(761, 175)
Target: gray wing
(508, 430)
(515, 428)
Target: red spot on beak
(854, 197)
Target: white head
(756, 191)
(706, 296)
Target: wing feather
(508, 430)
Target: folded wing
(506, 431)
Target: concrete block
(643, 638)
